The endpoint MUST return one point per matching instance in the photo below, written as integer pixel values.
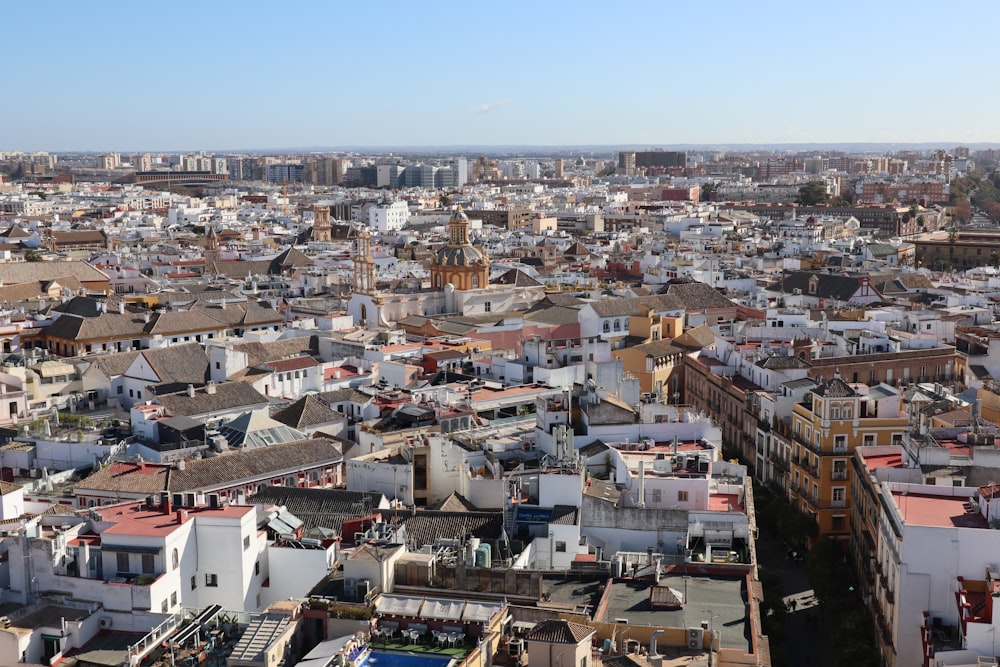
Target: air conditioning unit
(515, 646)
(696, 639)
(104, 622)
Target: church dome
(459, 256)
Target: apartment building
(835, 419)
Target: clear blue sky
(217, 75)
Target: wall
(294, 572)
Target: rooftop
(721, 600)
(919, 509)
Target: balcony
(839, 475)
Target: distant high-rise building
(389, 175)
(419, 176)
(461, 167)
(626, 163)
(142, 162)
(485, 169)
(323, 171)
(559, 167)
(284, 173)
(219, 165)
(644, 159)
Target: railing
(839, 475)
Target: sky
(242, 75)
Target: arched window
(618, 325)
(174, 560)
(835, 412)
(475, 280)
(607, 326)
(848, 412)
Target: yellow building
(460, 263)
(833, 420)
(650, 355)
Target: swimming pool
(400, 659)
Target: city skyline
(239, 76)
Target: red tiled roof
(294, 364)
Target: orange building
(460, 263)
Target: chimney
(182, 516)
(145, 317)
(642, 484)
(165, 502)
(121, 307)
(210, 387)
(190, 391)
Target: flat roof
(135, 519)
(919, 509)
(721, 600)
(892, 460)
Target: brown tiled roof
(115, 363)
(245, 465)
(7, 487)
(148, 478)
(455, 502)
(177, 366)
(23, 272)
(259, 353)
(558, 631)
(307, 411)
(226, 396)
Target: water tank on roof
(483, 556)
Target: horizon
(128, 78)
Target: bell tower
(322, 231)
(212, 252)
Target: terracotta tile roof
(307, 411)
(293, 364)
(147, 478)
(234, 467)
(23, 272)
(320, 508)
(558, 631)
(7, 487)
(227, 396)
(259, 353)
(178, 366)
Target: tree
(813, 193)
(32, 256)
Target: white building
(387, 218)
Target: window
(163, 607)
(560, 546)
(212, 580)
(657, 495)
(835, 412)
(174, 559)
(218, 366)
(119, 389)
(682, 496)
(475, 281)
(840, 468)
(256, 568)
(488, 307)
(607, 326)
(618, 325)
(840, 443)
(147, 564)
(194, 581)
(138, 394)
(839, 494)
(838, 522)
(123, 565)
(246, 542)
(868, 439)
(173, 599)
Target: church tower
(212, 252)
(365, 304)
(322, 231)
(460, 263)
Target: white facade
(388, 217)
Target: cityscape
(653, 336)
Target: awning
(480, 612)
(398, 605)
(444, 610)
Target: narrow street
(805, 643)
